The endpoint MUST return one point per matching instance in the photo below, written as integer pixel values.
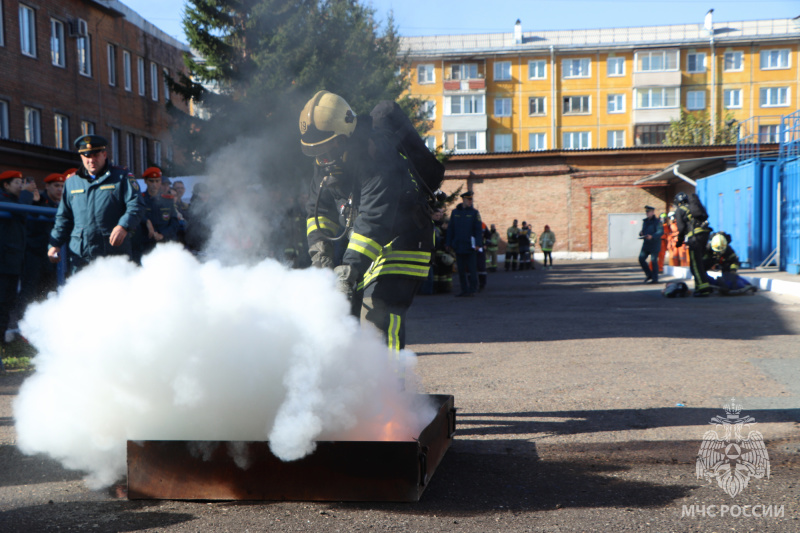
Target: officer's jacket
(654, 228)
(12, 239)
(392, 231)
(162, 214)
(90, 209)
(464, 230)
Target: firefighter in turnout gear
(364, 192)
(693, 229)
(512, 250)
(492, 240)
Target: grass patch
(18, 355)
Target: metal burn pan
(391, 471)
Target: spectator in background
(178, 190)
(160, 219)
(651, 244)
(492, 241)
(512, 250)
(547, 240)
(12, 248)
(464, 237)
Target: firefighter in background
(721, 257)
(364, 191)
(492, 240)
(677, 256)
(443, 260)
(512, 250)
(664, 243)
(695, 232)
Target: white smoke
(183, 350)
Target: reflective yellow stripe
(325, 223)
(364, 245)
(405, 256)
(401, 269)
(393, 334)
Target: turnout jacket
(687, 226)
(90, 209)
(392, 231)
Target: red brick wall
(36, 82)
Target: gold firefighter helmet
(325, 117)
(719, 243)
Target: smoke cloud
(179, 349)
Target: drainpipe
(553, 144)
(685, 178)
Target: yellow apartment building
(606, 88)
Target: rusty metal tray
(393, 471)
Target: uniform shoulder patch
(134, 184)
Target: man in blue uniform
(99, 206)
(465, 236)
(12, 248)
(651, 243)
(364, 193)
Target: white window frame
(61, 123)
(576, 68)
(732, 98)
(581, 108)
(615, 138)
(615, 67)
(164, 76)
(537, 69)
(111, 51)
(87, 127)
(84, 45)
(502, 70)
(502, 107)
(157, 153)
(543, 100)
(537, 141)
(430, 142)
(583, 138)
(3, 119)
(126, 70)
(140, 72)
(27, 30)
(503, 142)
(429, 109)
(466, 138)
(143, 153)
(130, 152)
(776, 59)
(476, 102)
(426, 74)
(769, 133)
(115, 146)
(696, 62)
(154, 81)
(58, 44)
(33, 125)
(2, 35)
(736, 61)
(646, 58)
(662, 93)
(616, 103)
(464, 71)
(775, 97)
(695, 100)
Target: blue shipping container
(790, 216)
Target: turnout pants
(391, 298)
(697, 249)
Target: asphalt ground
(583, 396)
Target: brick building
(576, 191)
(70, 67)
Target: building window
(464, 71)
(537, 70)
(502, 70)
(502, 142)
(126, 69)
(33, 124)
(537, 141)
(165, 74)
(616, 103)
(87, 128)
(2, 36)
(536, 105)
(657, 61)
(430, 142)
(140, 72)
(657, 97)
(85, 55)
(502, 107)
(774, 59)
(115, 146)
(3, 119)
(732, 98)
(733, 62)
(57, 46)
(774, 96)
(154, 82)
(650, 134)
(62, 132)
(429, 109)
(695, 62)
(615, 66)
(157, 153)
(170, 153)
(695, 100)
(769, 134)
(130, 152)
(27, 30)
(465, 104)
(576, 68)
(112, 65)
(466, 140)
(426, 74)
(577, 140)
(616, 138)
(576, 104)
(143, 153)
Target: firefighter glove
(346, 277)
(321, 253)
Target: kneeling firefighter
(367, 194)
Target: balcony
(475, 84)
